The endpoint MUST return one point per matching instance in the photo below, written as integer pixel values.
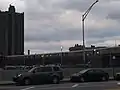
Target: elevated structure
(102, 57)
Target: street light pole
(43, 62)
(61, 55)
(83, 38)
(83, 30)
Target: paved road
(111, 85)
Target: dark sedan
(90, 75)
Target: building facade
(11, 32)
(78, 47)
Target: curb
(65, 80)
(111, 78)
(7, 84)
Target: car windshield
(31, 70)
(83, 71)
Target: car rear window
(46, 69)
(99, 71)
(56, 68)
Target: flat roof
(63, 52)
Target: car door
(90, 75)
(37, 75)
(99, 74)
(46, 74)
(58, 71)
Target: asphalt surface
(111, 85)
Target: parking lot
(110, 85)
(64, 84)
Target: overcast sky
(50, 24)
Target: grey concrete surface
(6, 75)
(111, 85)
(5, 83)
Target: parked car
(10, 68)
(40, 74)
(90, 75)
(28, 67)
(117, 76)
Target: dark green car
(90, 75)
(44, 74)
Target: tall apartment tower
(11, 32)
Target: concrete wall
(6, 75)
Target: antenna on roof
(11, 3)
(115, 43)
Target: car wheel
(82, 79)
(55, 80)
(27, 81)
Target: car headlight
(19, 75)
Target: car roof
(88, 69)
(93, 69)
(47, 66)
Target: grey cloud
(43, 47)
(101, 9)
(43, 26)
(79, 5)
(115, 15)
(53, 35)
(70, 34)
(109, 32)
(42, 15)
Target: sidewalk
(2, 83)
(65, 80)
(12, 83)
(6, 83)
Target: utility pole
(61, 55)
(83, 30)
